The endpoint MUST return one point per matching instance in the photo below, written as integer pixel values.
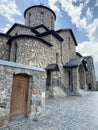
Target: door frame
(28, 105)
(48, 82)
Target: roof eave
(40, 6)
(51, 32)
(28, 36)
(70, 32)
(6, 35)
(21, 25)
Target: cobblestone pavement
(70, 113)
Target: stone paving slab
(70, 113)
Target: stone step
(48, 94)
(55, 91)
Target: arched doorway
(82, 77)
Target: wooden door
(19, 96)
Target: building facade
(37, 43)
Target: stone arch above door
(82, 77)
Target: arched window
(69, 45)
(70, 79)
(16, 34)
(51, 21)
(15, 47)
(29, 19)
(41, 18)
(57, 58)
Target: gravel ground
(70, 113)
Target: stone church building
(47, 55)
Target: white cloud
(75, 9)
(8, 9)
(6, 28)
(93, 31)
(89, 13)
(86, 2)
(96, 4)
(53, 6)
(88, 48)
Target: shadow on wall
(90, 86)
(97, 85)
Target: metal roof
(70, 30)
(76, 63)
(54, 33)
(5, 35)
(77, 53)
(18, 65)
(40, 6)
(21, 25)
(28, 36)
(52, 67)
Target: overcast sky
(79, 15)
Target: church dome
(40, 14)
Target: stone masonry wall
(62, 74)
(68, 49)
(4, 48)
(37, 84)
(48, 38)
(75, 81)
(33, 52)
(97, 85)
(67, 53)
(41, 30)
(90, 76)
(21, 30)
(34, 19)
(82, 77)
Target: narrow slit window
(51, 21)
(69, 42)
(41, 18)
(57, 58)
(29, 18)
(15, 45)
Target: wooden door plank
(20, 89)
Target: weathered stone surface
(4, 117)
(90, 75)
(20, 30)
(75, 75)
(37, 81)
(96, 85)
(82, 77)
(41, 46)
(41, 49)
(4, 48)
(57, 92)
(33, 17)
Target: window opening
(41, 18)
(15, 45)
(29, 18)
(69, 42)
